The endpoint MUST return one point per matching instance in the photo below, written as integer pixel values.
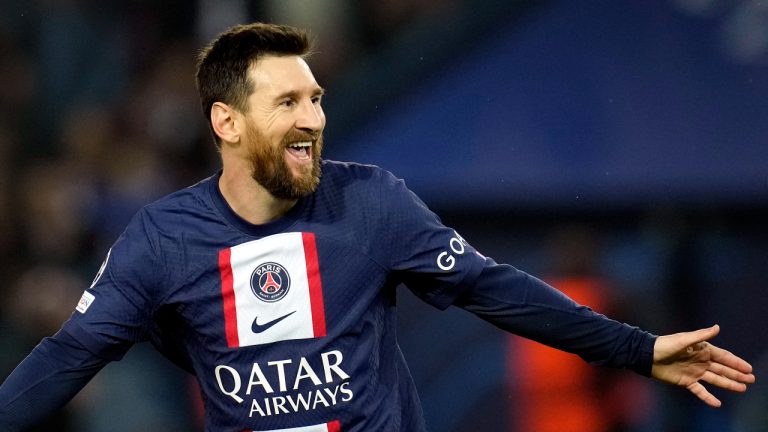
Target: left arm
(526, 306)
(442, 269)
(521, 304)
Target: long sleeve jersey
(290, 325)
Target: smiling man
(273, 281)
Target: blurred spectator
(380, 20)
(556, 391)
(330, 21)
(82, 51)
(7, 145)
(41, 299)
(54, 196)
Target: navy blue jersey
(288, 324)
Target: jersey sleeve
(527, 306)
(48, 378)
(432, 260)
(116, 311)
(439, 266)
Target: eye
(317, 99)
(288, 103)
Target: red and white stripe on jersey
(333, 426)
(301, 308)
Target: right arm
(117, 315)
(46, 380)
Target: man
(273, 281)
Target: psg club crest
(257, 292)
(270, 282)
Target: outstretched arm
(686, 359)
(526, 306)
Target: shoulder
(165, 222)
(184, 204)
(356, 174)
(352, 169)
(368, 185)
(159, 233)
(355, 182)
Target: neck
(248, 199)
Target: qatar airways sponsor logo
(287, 386)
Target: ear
(225, 122)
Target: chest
(284, 287)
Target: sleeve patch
(85, 302)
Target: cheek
(273, 127)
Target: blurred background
(617, 149)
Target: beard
(272, 172)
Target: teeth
(301, 145)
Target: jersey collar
(243, 225)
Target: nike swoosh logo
(256, 328)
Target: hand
(685, 359)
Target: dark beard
(271, 171)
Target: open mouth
(300, 150)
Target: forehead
(275, 75)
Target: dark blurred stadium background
(616, 148)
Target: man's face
(284, 126)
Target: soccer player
(273, 281)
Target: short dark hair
(222, 66)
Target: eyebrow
(319, 91)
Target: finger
(698, 336)
(731, 373)
(702, 393)
(730, 360)
(723, 382)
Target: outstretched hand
(688, 359)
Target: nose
(310, 117)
